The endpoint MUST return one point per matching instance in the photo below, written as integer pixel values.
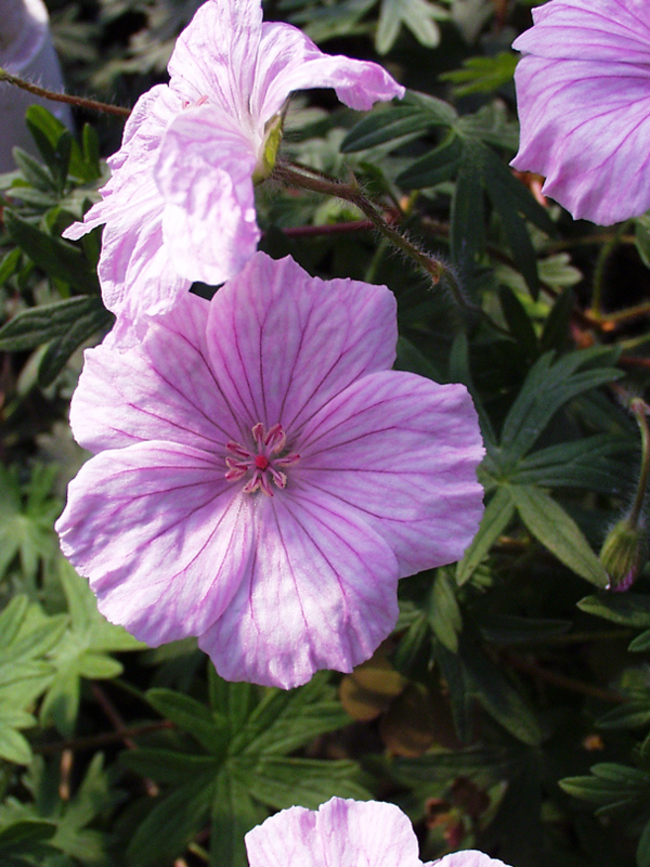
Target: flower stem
(434, 268)
(78, 101)
(639, 408)
(599, 274)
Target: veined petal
(321, 593)
(161, 388)
(215, 56)
(288, 61)
(341, 832)
(164, 540)
(586, 127)
(403, 451)
(135, 269)
(295, 341)
(467, 858)
(204, 173)
(608, 30)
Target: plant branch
(78, 101)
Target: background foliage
(510, 710)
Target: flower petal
(135, 270)
(321, 593)
(610, 31)
(204, 173)
(344, 833)
(403, 451)
(163, 538)
(586, 126)
(215, 56)
(288, 60)
(294, 341)
(467, 858)
(163, 388)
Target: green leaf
(57, 258)
(33, 171)
(510, 629)
(59, 351)
(548, 386)
(612, 787)
(642, 237)
(441, 164)
(467, 230)
(170, 766)
(631, 715)
(9, 265)
(280, 783)
(13, 746)
(417, 112)
(171, 824)
(496, 518)
(629, 609)
(233, 814)
(643, 847)
(82, 652)
(41, 324)
(586, 463)
(411, 359)
(640, 644)
(444, 614)
(497, 695)
(509, 197)
(286, 720)
(418, 15)
(558, 532)
(482, 74)
(190, 715)
(518, 321)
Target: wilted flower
(346, 833)
(583, 95)
(262, 479)
(180, 206)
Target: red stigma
(261, 462)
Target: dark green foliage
(539, 749)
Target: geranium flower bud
(624, 553)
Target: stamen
(263, 461)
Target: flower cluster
(179, 206)
(583, 97)
(345, 833)
(261, 479)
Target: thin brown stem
(94, 741)
(78, 101)
(561, 680)
(433, 267)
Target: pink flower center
(261, 463)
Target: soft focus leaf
(558, 532)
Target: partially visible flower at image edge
(262, 479)
(179, 206)
(346, 833)
(583, 98)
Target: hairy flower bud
(624, 553)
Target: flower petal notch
(179, 206)
(583, 95)
(262, 479)
(346, 833)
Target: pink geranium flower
(345, 833)
(583, 95)
(180, 206)
(262, 479)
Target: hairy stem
(52, 95)
(433, 267)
